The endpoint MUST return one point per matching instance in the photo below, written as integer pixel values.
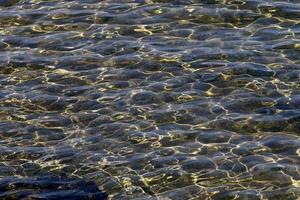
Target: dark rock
(144, 98)
(164, 161)
(234, 166)
(168, 97)
(251, 161)
(202, 163)
(87, 105)
(49, 102)
(214, 137)
(249, 68)
(271, 173)
(162, 116)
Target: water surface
(146, 99)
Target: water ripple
(148, 99)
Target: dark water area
(48, 187)
(150, 99)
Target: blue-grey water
(150, 99)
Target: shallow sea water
(150, 99)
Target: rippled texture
(181, 99)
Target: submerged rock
(144, 98)
(202, 163)
(253, 69)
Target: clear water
(150, 99)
